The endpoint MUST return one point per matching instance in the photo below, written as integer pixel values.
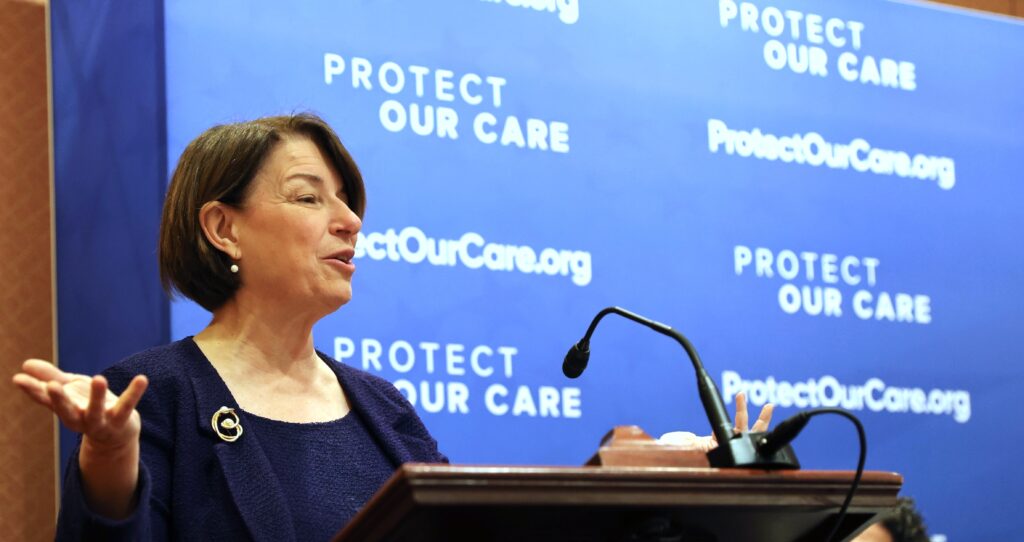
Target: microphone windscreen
(576, 361)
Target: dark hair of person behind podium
(906, 523)
(220, 165)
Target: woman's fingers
(125, 405)
(67, 411)
(35, 389)
(45, 371)
(764, 419)
(741, 413)
(36, 376)
(96, 408)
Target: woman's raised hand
(110, 428)
(84, 404)
(708, 443)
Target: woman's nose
(345, 220)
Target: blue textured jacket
(193, 485)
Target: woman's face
(296, 233)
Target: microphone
(576, 359)
(734, 450)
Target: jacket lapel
(250, 478)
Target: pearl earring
(234, 268)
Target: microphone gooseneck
(578, 356)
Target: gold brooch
(226, 424)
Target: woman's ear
(218, 221)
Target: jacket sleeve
(78, 522)
(150, 520)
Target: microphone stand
(734, 450)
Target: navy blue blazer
(195, 486)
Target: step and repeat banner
(823, 196)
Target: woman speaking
(246, 430)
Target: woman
(246, 431)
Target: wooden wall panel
(1005, 7)
(27, 437)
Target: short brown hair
(220, 165)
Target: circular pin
(226, 424)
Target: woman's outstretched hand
(109, 424)
(708, 443)
(84, 404)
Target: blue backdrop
(821, 195)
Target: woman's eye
(308, 199)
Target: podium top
(447, 502)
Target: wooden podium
(617, 503)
